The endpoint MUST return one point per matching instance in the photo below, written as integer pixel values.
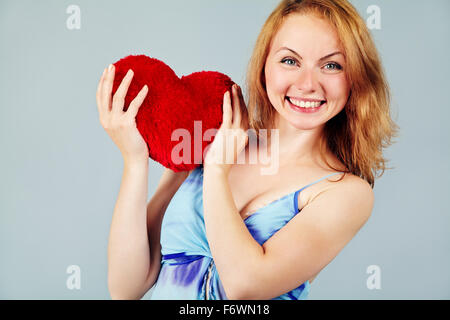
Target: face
(305, 72)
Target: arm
(312, 239)
(234, 250)
(128, 249)
(296, 252)
(134, 256)
(128, 246)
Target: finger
(99, 86)
(107, 87)
(244, 114)
(227, 112)
(98, 95)
(137, 102)
(236, 107)
(121, 92)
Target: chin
(301, 124)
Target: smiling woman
(230, 233)
(225, 231)
(324, 43)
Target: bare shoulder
(346, 195)
(339, 209)
(347, 185)
(356, 185)
(350, 178)
(353, 193)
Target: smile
(305, 106)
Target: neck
(295, 146)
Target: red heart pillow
(166, 117)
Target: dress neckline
(282, 198)
(269, 204)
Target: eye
(288, 59)
(333, 66)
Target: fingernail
(110, 67)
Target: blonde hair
(357, 135)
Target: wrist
(136, 162)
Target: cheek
(276, 81)
(336, 87)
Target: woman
(228, 232)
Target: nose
(306, 80)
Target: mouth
(305, 106)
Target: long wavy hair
(357, 134)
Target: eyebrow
(323, 58)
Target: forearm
(128, 247)
(168, 185)
(235, 252)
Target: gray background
(60, 172)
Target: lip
(305, 110)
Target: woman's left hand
(231, 138)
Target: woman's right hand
(121, 125)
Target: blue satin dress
(187, 270)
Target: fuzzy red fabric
(173, 103)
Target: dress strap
(332, 174)
(297, 192)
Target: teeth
(303, 104)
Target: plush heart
(166, 117)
